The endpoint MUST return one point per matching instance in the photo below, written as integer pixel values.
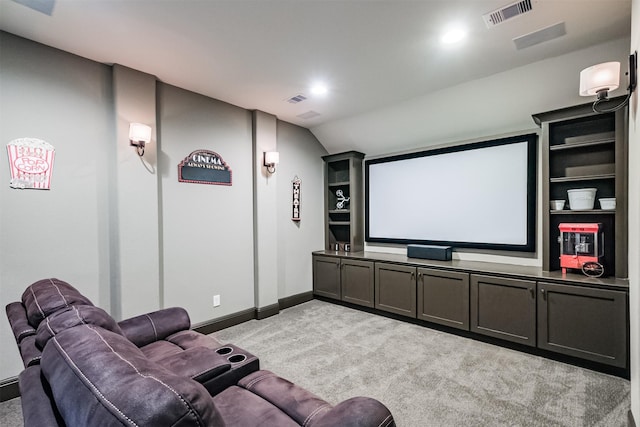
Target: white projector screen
(480, 195)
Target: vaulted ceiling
(256, 54)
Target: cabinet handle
(533, 293)
(420, 276)
(544, 294)
(413, 275)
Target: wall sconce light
(139, 135)
(271, 159)
(600, 79)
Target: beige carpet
(427, 377)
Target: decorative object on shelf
(30, 163)
(347, 247)
(204, 167)
(557, 205)
(271, 159)
(342, 200)
(607, 203)
(581, 199)
(139, 136)
(581, 248)
(295, 214)
(601, 78)
(335, 246)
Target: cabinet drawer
(443, 297)
(396, 289)
(583, 322)
(504, 308)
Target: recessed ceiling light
(319, 89)
(453, 35)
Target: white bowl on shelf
(557, 205)
(582, 199)
(608, 203)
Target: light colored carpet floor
(427, 378)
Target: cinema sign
(204, 167)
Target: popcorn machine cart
(582, 248)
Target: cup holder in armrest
(237, 358)
(242, 364)
(224, 350)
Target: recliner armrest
(355, 412)
(198, 363)
(147, 328)
(38, 408)
(20, 325)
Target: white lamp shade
(271, 158)
(605, 76)
(139, 132)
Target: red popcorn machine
(581, 248)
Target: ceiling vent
(297, 98)
(496, 17)
(308, 115)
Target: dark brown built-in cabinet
(583, 149)
(396, 289)
(583, 322)
(344, 279)
(504, 308)
(569, 314)
(443, 297)
(572, 314)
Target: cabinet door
(583, 322)
(357, 282)
(396, 289)
(504, 308)
(443, 297)
(326, 276)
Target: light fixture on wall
(599, 79)
(271, 159)
(139, 135)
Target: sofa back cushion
(47, 296)
(98, 377)
(73, 316)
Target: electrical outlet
(216, 300)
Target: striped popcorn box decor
(30, 163)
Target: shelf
(339, 211)
(583, 177)
(575, 145)
(339, 184)
(583, 212)
(341, 223)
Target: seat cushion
(47, 296)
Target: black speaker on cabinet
(440, 253)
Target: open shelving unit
(584, 149)
(343, 173)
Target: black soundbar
(440, 253)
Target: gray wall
(121, 228)
(207, 230)
(300, 156)
(63, 232)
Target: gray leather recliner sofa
(82, 368)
